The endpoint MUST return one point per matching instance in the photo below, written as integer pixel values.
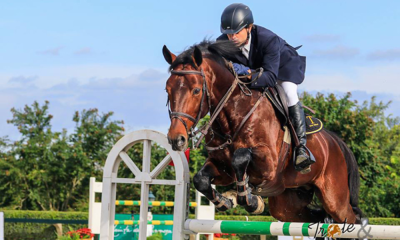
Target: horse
(198, 85)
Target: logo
(334, 230)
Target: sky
(108, 54)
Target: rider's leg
(296, 114)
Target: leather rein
(204, 130)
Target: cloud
(52, 51)
(372, 79)
(22, 79)
(138, 99)
(84, 51)
(339, 52)
(391, 54)
(83, 73)
(152, 75)
(322, 38)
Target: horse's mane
(212, 50)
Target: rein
(204, 130)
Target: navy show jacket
(278, 59)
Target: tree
(48, 170)
(363, 129)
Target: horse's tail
(352, 171)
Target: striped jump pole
(151, 203)
(294, 229)
(137, 222)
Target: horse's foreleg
(202, 182)
(253, 204)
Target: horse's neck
(238, 104)
(220, 82)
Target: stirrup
(304, 166)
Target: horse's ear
(169, 57)
(197, 56)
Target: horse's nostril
(181, 140)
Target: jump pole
(293, 229)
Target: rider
(281, 63)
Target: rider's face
(240, 37)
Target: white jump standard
(145, 178)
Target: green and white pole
(294, 229)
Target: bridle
(190, 132)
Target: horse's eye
(196, 91)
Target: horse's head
(186, 88)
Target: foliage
(374, 139)
(34, 230)
(157, 236)
(48, 170)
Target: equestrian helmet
(235, 17)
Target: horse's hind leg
(336, 201)
(208, 174)
(252, 204)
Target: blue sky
(107, 54)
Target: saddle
(279, 100)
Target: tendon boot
(302, 160)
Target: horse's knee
(201, 183)
(241, 158)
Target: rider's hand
(241, 69)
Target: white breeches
(291, 92)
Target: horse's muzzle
(179, 143)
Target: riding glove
(240, 69)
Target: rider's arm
(270, 64)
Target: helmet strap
(247, 39)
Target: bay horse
(252, 159)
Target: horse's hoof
(224, 204)
(260, 205)
(231, 195)
(306, 170)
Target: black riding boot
(302, 160)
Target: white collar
(246, 48)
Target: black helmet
(235, 17)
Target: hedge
(34, 231)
